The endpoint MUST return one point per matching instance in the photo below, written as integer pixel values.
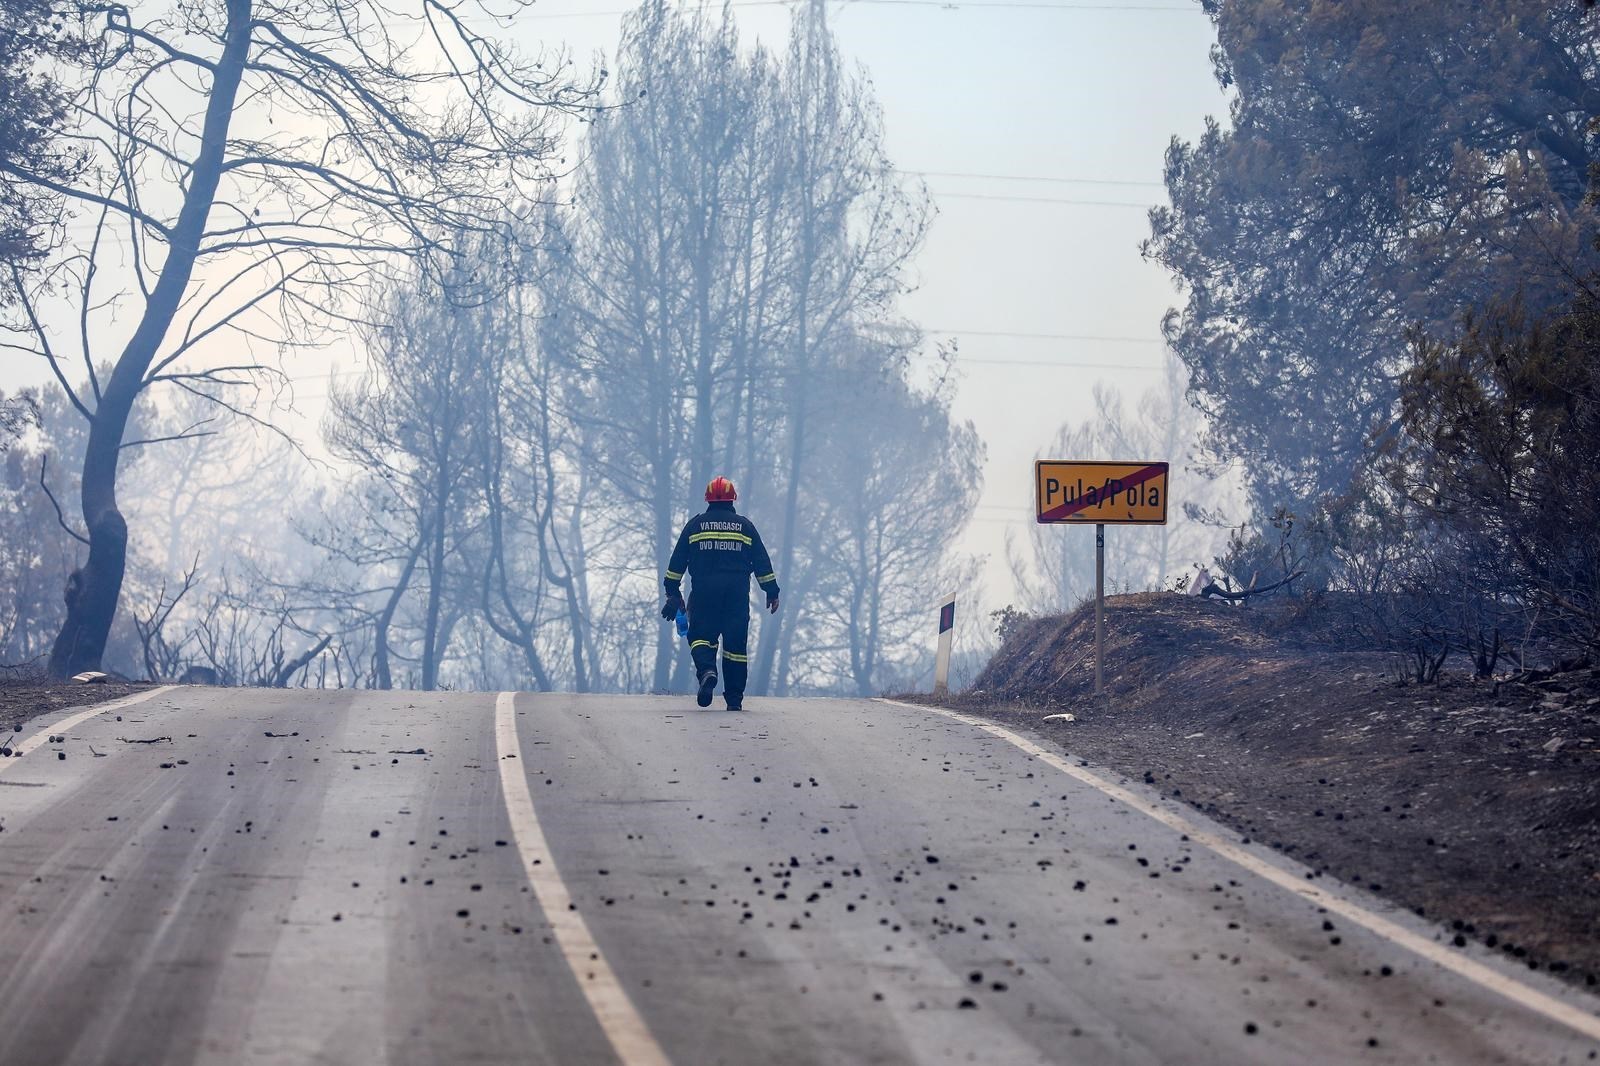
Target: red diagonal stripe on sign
(1138, 477)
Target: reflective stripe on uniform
(697, 537)
(674, 577)
(764, 578)
(701, 644)
(732, 658)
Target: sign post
(1101, 493)
(1099, 608)
(941, 665)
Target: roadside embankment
(24, 699)
(1474, 803)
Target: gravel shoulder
(21, 701)
(1475, 804)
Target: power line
(1037, 200)
(1020, 5)
(1027, 178)
(1025, 336)
(1055, 364)
(118, 233)
(300, 394)
(943, 5)
(960, 361)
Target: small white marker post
(941, 664)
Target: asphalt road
(563, 879)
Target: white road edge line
(43, 736)
(1524, 995)
(630, 1037)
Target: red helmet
(721, 490)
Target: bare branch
(170, 437)
(44, 465)
(85, 196)
(300, 662)
(44, 347)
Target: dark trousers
(719, 611)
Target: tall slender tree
(849, 228)
(738, 222)
(410, 422)
(670, 201)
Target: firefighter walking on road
(720, 549)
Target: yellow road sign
(1095, 493)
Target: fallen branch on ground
(1225, 594)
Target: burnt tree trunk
(91, 596)
(94, 588)
(380, 625)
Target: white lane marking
(42, 737)
(629, 1035)
(1524, 995)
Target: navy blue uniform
(721, 549)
